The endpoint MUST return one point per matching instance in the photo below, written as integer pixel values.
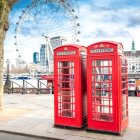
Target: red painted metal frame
(113, 113)
(76, 56)
(47, 77)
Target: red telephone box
(107, 87)
(70, 86)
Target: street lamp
(8, 63)
(7, 82)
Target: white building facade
(55, 42)
(133, 59)
(133, 62)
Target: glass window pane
(102, 90)
(66, 94)
(93, 62)
(98, 63)
(106, 63)
(93, 71)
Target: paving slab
(8, 114)
(31, 114)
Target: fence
(29, 87)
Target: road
(8, 136)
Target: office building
(43, 56)
(35, 57)
(56, 42)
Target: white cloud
(31, 29)
(108, 24)
(99, 21)
(30, 45)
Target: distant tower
(43, 55)
(35, 57)
(133, 49)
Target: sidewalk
(32, 114)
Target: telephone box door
(101, 100)
(66, 103)
(66, 97)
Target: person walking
(50, 89)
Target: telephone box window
(66, 89)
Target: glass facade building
(43, 55)
(35, 57)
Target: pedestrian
(50, 89)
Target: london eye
(48, 18)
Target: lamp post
(7, 82)
(7, 62)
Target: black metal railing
(18, 89)
(28, 88)
(41, 89)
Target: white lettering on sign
(67, 53)
(102, 50)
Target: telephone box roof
(107, 42)
(70, 45)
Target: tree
(5, 7)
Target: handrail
(16, 84)
(42, 83)
(24, 88)
(19, 86)
(39, 83)
(30, 85)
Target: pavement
(33, 115)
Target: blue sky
(117, 20)
(111, 20)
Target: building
(35, 57)
(20, 63)
(55, 42)
(43, 55)
(46, 52)
(133, 59)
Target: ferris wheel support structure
(70, 12)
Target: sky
(117, 20)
